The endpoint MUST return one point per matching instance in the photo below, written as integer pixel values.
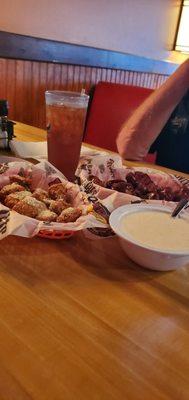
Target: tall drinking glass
(65, 117)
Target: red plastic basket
(48, 234)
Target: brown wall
(24, 83)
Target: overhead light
(182, 40)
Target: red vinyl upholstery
(111, 105)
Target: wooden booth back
(29, 66)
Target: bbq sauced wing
(140, 184)
(57, 191)
(22, 180)
(69, 215)
(40, 194)
(11, 188)
(58, 206)
(47, 216)
(29, 206)
(14, 198)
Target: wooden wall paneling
(122, 77)
(146, 81)
(127, 77)
(43, 85)
(35, 93)
(155, 81)
(80, 83)
(70, 78)
(152, 81)
(92, 78)
(161, 79)
(64, 77)
(130, 78)
(10, 81)
(50, 76)
(3, 75)
(139, 79)
(94, 75)
(19, 89)
(24, 83)
(134, 79)
(118, 74)
(117, 80)
(97, 75)
(27, 90)
(76, 78)
(149, 81)
(82, 79)
(108, 75)
(87, 78)
(143, 79)
(57, 76)
(113, 78)
(103, 74)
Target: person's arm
(146, 123)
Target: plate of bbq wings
(105, 178)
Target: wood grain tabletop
(79, 321)
(29, 133)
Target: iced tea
(65, 113)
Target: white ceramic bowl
(148, 257)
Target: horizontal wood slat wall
(23, 84)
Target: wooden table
(79, 321)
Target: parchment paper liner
(42, 174)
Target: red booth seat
(111, 105)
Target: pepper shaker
(6, 126)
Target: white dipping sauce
(157, 229)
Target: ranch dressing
(157, 229)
